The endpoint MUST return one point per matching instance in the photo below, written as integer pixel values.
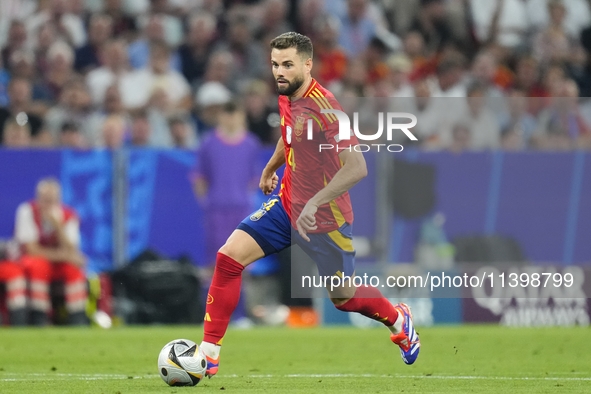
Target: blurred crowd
(157, 73)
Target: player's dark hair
(300, 42)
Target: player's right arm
(269, 178)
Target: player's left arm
(353, 170)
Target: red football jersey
(308, 168)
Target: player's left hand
(307, 220)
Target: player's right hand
(268, 183)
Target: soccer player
(313, 209)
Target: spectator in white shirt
(156, 85)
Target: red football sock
(223, 297)
(370, 302)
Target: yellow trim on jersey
(283, 121)
(342, 242)
(336, 211)
(338, 215)
(310, 88)
(326, 102)
(317, 101)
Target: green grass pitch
(321, 360)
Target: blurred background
(156, 117)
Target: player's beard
(292, 86)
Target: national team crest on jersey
(299, 126)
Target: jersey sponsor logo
(207, 318)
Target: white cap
(212, 93)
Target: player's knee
(230, 250)
(242, 248)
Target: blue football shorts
(270, 227)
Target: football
(181, 363)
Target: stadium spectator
(156, 85)
(577, 15)
(527, 77)
(115, 67)
(308, 12)
(112, 105)
(484, 71)
(461, 138)
(19, 107)
(400, 67)
(562, 126)
(74, 107)
(22, 64)
(173, 28)
(502, 22)
(432, 24)
(273, 20)
(553, 43)
(141, 131)
(17, 38)
(246, 52)
(481, 120)
(414, 48)
(60, 60)
(11, 10)
(329, 58)
(100, 30)
(69, 27)
(577, 69)
(220, 68)
(113, 132)
(154, 33)
(518, 125)
(448, 81)
(354, 79)
(124, 26)
(181, 132)
(375, 60)
(46, 36)
(209, 100)
(72, 137)
(220, 185)
(261, 118)
(357, 29)
(197, 49)
(12, 277)
(49, 234)
(16, 135)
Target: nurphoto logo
(345, 130)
